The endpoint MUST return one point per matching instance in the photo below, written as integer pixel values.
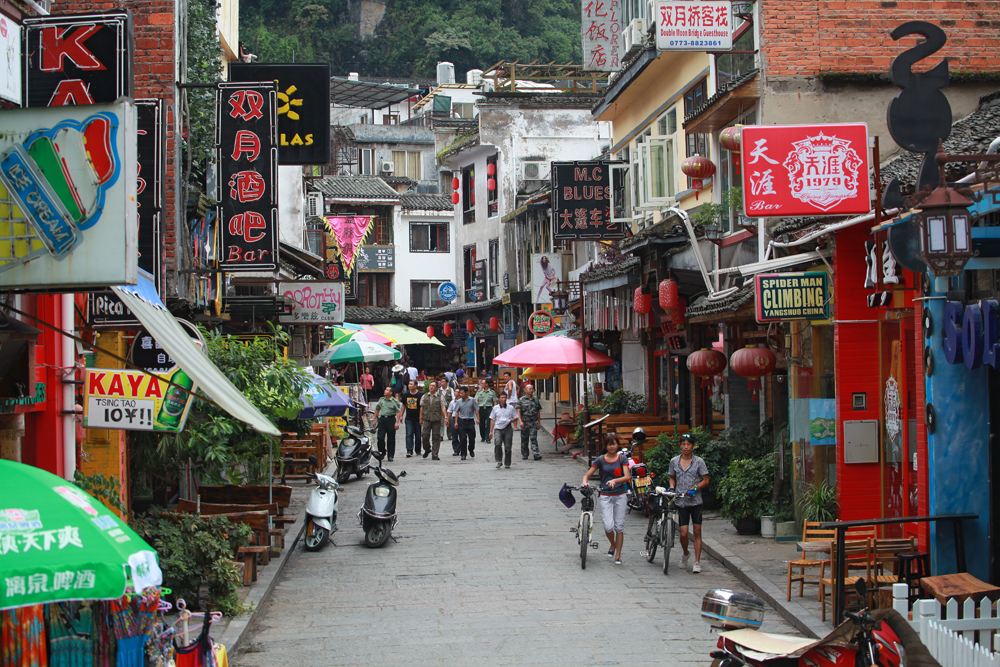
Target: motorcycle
(354, 454)
(378, 514)
(321, 511)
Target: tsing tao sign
(136, 401)
(582, 201)
(792, 296)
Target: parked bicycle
(662, 527)
(585, 527)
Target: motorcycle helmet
(566, 496)
(639, 434)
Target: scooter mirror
(402, 474)
(313, 460)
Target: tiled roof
(601, 272)
(398, 180)
(354, 187)
(789, 225)
(444, 311)
(417, 202)
(703, 306)
(732, 85)
(375, 315)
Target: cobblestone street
(485, 570)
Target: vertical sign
(582, 201)
(601, 35)
(149, 188)
(479, 283)
(247, 158)
(10, 60)
(470, 350)
(693, 25)
(77, 59)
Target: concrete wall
(484, 228)
(291, 206)
(421, 265)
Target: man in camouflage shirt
(529, 410)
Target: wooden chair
(855, 534)
(811, 532)
(885, 561)
(857, 556)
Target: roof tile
(354, 187)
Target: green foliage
(204, 65)
(667, 447)
(712, 214)
(193, 550)
(105, 489)
(622, 402)
(745, 491)
(819, 502)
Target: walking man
(502, 418)
(466, 417)
(387, 418)
(529, 410)
(486, 398)
(689, 475)
(510, 387)
(433, 412)
(411, 414)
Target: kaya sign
(68, 213)
(313, 302)
(792, 296)
(805, 170)
(136, 401)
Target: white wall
(420, 265)
(291, 205)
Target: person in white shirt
(412, 372)
(510, 387)
(502, 419)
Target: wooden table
(817, 547)
(959, 587)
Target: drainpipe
(712, 294)
(68, 399)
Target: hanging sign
(313, 302)
(247, 156)
(693, 25)
(376, 259)
(448, 292)
(303, 108)
(601, 34)
(791, 170)
(10, 76)
(892, 425)
(541, 323)
(75, 59)
(792, 296)
(136, 401)
(581, 201)
(150, 138)
(882, 271)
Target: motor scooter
(354, 454)
(321, 510)
(378, 514)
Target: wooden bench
(652, 432)
(234, 494)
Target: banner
(581, 194)
(693, 25)
(601, 34)
(247, 158)
(10, 75)
(150, 140)
(313, 302)
(136, 401)
(792, 296)
(344, 239)
(546, 272)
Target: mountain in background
(406, 38)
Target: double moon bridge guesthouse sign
(792, 296)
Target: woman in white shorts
(613, 469)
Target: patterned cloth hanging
(347, 234)
(71, 634)
(22, 637)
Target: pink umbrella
(552, 353)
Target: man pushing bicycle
(689, 472)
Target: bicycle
(662, 527)
(585, 528)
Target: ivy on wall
(204, 65)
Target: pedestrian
(466, 418)
(399, 380)
(502, 418)
(614, 483)
(411, 370)
(486, 398)
(422, 375)
(411, 407)
(529, 410)
(452, 432)
(450, 379)
(510, 387)
(459, 374)
(689, 475)
(433, 411)
(368, 384)
(387, 419)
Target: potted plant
(745, 492)
(819, 502)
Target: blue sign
(42, 207)
(447, 291)
(470, 350)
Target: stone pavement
(485, 568)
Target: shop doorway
(898, 377)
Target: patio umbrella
(323, 399)
(324, 357)
(341, 336)
(58, 543)
(363, 351)
(553, 353)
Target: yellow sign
(136, 401)
(505, 299)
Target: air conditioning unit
(387, 168)
(535, 170)
(633, 37)
(315, 206)
(651, 18)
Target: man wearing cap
(689, 475)
(486, 398)
(433, 411)
(529, 410)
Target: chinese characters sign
(805, 170)
(247, 186)
(694, 25)
(581, 202)
(136, 401)
(792, 296)
(313, 302)
(376, 259)
(601, 32)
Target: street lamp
(560, 298)
(945, 232)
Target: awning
(364, 94)
(304, 262)
(144, 303)
(406, 335)
(811, 257)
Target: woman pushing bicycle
(613, 469)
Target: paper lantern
(470, 325)
(698, 168)
(679, 314)
(472, 197)
(491, 169)
(494, 324)
(430, 332)
(706, 363)
(643, 301)
(668, 294)
(454, 197)
(753, 362)
(491, 184)
(447, 328)
(731, 138)
(455, 183)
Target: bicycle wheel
(673, 530)
(584, 540)
(666, 530)
(651, 539)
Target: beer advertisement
(137, 401)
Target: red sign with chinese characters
(805, 170)
(247, 187)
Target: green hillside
(412, 35)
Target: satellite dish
(904, 244)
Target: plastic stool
(913, 566)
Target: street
(485, 569)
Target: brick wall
(808, 37)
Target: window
(390, 119)
(695, 96)
(463, 110)
(493, 196)
(730, 175)
(373, 289)
(429, 237)
(366, 161)
(469, 194)
(383, 229)
(469, 266)
(696, 143)
(424, 294)
(399, 163)
(363, 119)
(734, 64)
(494, 268)
(406, 164)
(655, 162)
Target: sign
(892, 423)
(313, 302)
(70, 175)
(805, 170)
(448, 292)
(972, 333)
(882, 272)
(541, 323)
(10, 72)
(376, 259)
(582, 201)
(149, 355)
(470, 350)
(76, 59)
(136, 401)
(106, 311)
(601, 35)
(247, 159)
(479, 284)
(546, 271)
(792, 296)
(303, 108)
(693, 25)
(150, 138)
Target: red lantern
(491, 169)
(455, 183)
(753, 362)
(698, 167)
(643, 301)
(491, 184)
(472, 197)
(494, 324)
(430, 332)
(454, 197)
(679, 314)
(731, 138)
(447, 328)
(668, 294)
(706, 363)
(470, 325)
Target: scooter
(378, 515)
(321, 511)
(354, 454)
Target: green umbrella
(363, 351)
(59, 543)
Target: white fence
(954, 641)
